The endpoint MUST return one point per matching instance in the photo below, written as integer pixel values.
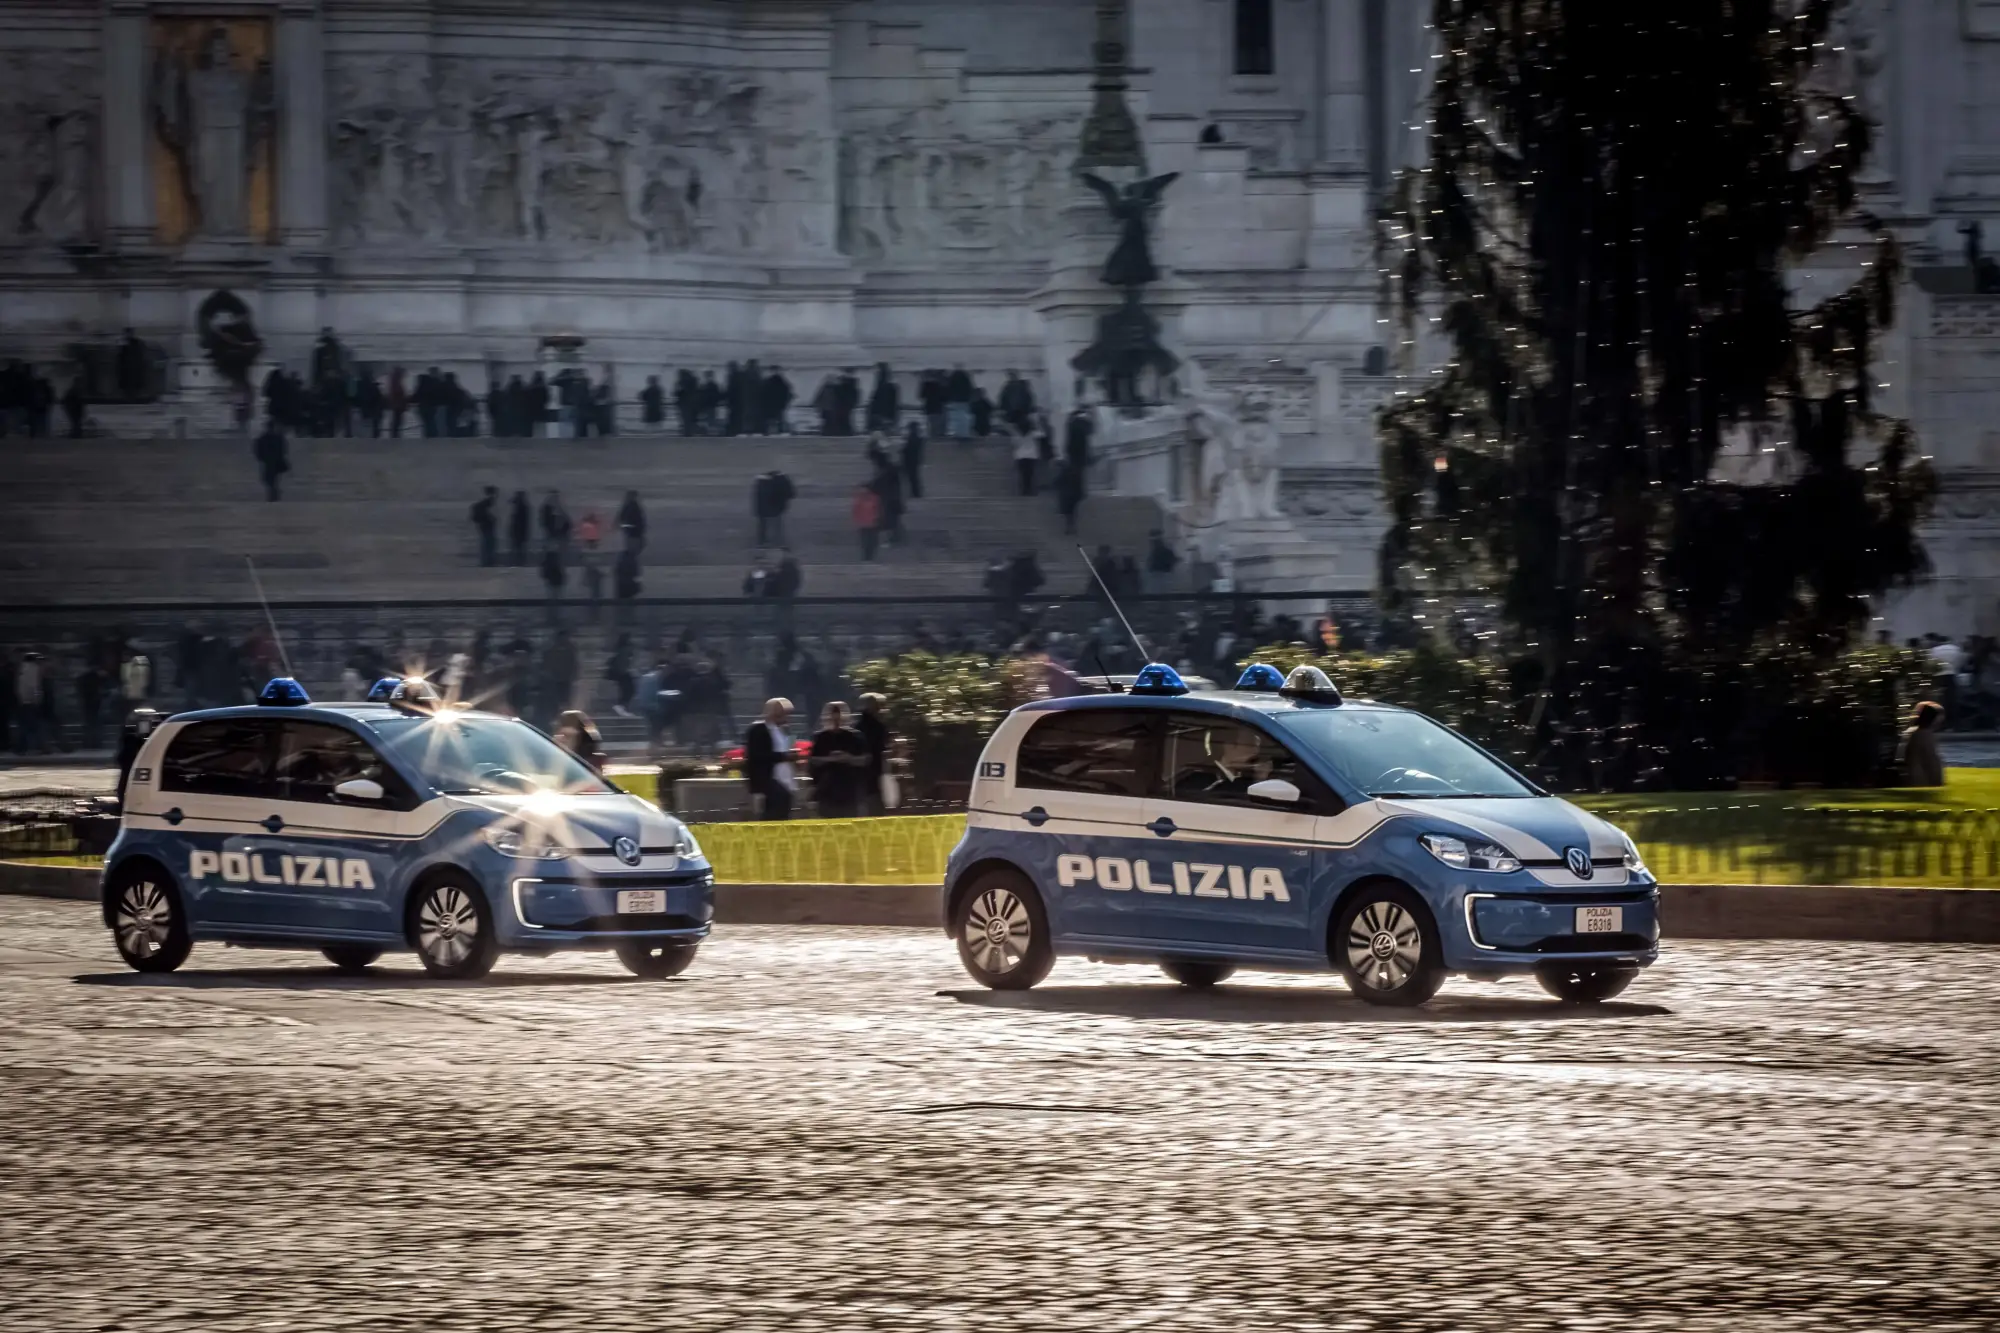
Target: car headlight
(684, 843)
(510, 841)
(1461, 855)
(1634, 863)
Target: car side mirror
(363, 789)
(1275, 789)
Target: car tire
(1583, 984)
(1386, 945)
(148, 922)
(1002, 932)
(451, 928)
(655, 960)
(351, 959)
(1197, 973)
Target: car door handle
(1036, 816)
(1164, 827)
(174, 816)
(272, 823)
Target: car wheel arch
(966, 878)
(421, 880)
(1358, 887)
(124, 866)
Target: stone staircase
(166, 520)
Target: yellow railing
(907, 849)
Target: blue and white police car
(1280, 826)
(358, 828)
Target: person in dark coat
(888, 484)
(913, 460)
(875, 741)
(769, 760)
(518, 528)
(838, 765)
(1017, 403)
(1069, 495)
(884, 402)
(273, 458)
(632, 522)
(709, 403)
(687, 402)
(732, 399)
(777, 403)
(653, 404)
(486, 518)
(73, 407)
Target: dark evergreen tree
(1619, 203)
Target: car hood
(586, 822)
(1534, 828)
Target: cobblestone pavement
(826, 1129)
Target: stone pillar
(300, 71)
(128, 174)
(1343, 84)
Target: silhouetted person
(273, 460)
(486, 518)
(519, 526)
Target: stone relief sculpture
(1240, 447)
(631, 160)
(48, 148)
(922, 182)
(215, 118)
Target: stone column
(1343, 83)
(300, 71)
(128, 174)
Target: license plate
(1600, 920)
(631, 901)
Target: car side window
(1105, 752)
(231, 757)
(1216, 760)
(316, 757)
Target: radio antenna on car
(1137, 642)
(265, 602)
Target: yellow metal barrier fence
(906, 849)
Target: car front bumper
(1519, 929)
(559, 908)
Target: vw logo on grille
(1578, 861)
(627, 851)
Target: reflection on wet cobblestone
(819, 1129)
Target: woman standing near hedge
(1922, 765)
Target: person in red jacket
(867, 519)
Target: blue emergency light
(283, 692)
(1158, 678)
(1260, 678)
(379, 692)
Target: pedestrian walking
(486, 521)
(769, 761)
(867, 510)
(578, 735)
(1027, 457)
(517, 529)
(273, 459)
(913, 459)
(876, 741)
(838, 764)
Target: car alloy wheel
(998, 931)
(1002, 932)
(452, 931)
(1386, 947)
(146, 923)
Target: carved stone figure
(63, 161)
(214, 118)
(228, 336)
(1240, 448)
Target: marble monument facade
(820, 183)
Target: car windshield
(485, 756)
(1401, 755)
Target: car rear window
(1106, 752)
(230, 757)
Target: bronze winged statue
(1131, 263)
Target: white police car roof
(1212, 701)
(353, 710)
